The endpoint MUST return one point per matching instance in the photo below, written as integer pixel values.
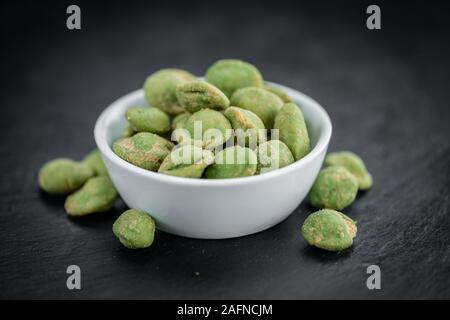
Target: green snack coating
(280, 93)
(352, 163)
(329, 230)
(128, 132)
(230, 75)
(197, 95)
(160, 89)
(292, 130)
(97, 195)
(187, 161)
(272, 155)
(179, 122)
(248, 127)
(135, 229)
(259, 101)
(148, 120)
(334, 188)
(233, 162)
(63, 176)
(95, 162)
(144, 149)
(209, 120)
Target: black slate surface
(386, 92)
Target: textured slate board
(386, 92)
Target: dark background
(386, 91)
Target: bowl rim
(106, 150)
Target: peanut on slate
(97, 195)
(353, 163)
(335, 188)
(135, 229)
(329, 230)
(63, 176)
(95, 162)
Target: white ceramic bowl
(214, 209)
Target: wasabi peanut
(334, 188)
(186, 161)
(144, 149)
(63, 176)
(179, 121)
(352, 163)
(259, 101)
(292, 130)
(233, 162)
(273, 155)
(128, 131)
(97, 195)
(196, 95)
(329, 230)
(95, 162)
(248, 127)
(148, 120)
(160, 89)
(209, 127)
(280, 93)
(230, 75)
(135, 229)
